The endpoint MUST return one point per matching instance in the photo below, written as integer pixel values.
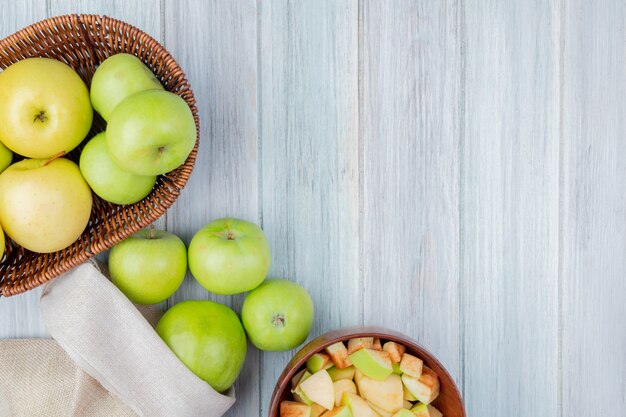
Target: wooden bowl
(83, 42)
(449, 401)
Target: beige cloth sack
(113, 364)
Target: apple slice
(298, 395)
(407, 394)
(319, 388)
(373, 363)
(337, 374)
(386, 395)
(380, 411)
(407, 404)
(342, 411)
(395, 350)
(425, 388)
(298, 377)
(317, 410)
(376, 344)
(317, 362)
(294, 409)
(359, 343)
(339, 355)
(358, 406)
(403, 413)
(425, 410)
(395, 367)
(341, 386)
(411, 365)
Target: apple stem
(278, 320)
(57, 156)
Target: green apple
(44, 108)
(425, 388)
(107, 179)
(6, 157)
(208, 338)
(319, 389)
(373, 363)
(337, 374)
(358, 406)
(229, 256)
(341, 411)
(387, 394)
(149, 266)
(118, 77)
(404, 413)
(277, 315)
(317, 362)
(44, 204)
(424, 410)
(294, 409)
(411, 365)
(151, 132)
(339, 355)
(341, 386)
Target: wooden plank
(19, 315)
(593, 263)
(309, 131)
(410, 120)
(510, 210)
(216, 44)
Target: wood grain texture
(309, 137)
(411, 127)
(593, 261)
(510, 208)
(216, 43)
(19, 315)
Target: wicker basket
(84, 41)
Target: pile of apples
(366, 378)
(46, 111)
(227, 256)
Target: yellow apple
(44, 204)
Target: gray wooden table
(453, 169)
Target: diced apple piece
(407, 404)
(342, 411)
(373, 363)
(395, 350)
(341, 386)
(380, 411)
(386, 395)
(411, 365)
(358, 406)
(317, 362)
(376, 344)
(407, 394)
(297, 377)
(404, 413)
(426, 410)
(294, 409)
(339, 355)
(319, 389)
(337, 374)
(425, 388)
(359, 343)
(395, 367)
(317, 410)
(298, 395)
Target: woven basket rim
(127, 219)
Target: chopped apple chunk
(403, 413)
(360, 343)
(376, 344)
(386, 395)
(425, 388)
(411, 365)
(294, 409)
(317, 410)
(358, 406)
(319, 389)
(337, 374)
(341, 386)
(339, 355)
(317, 362)
(425, 410)
(373, 363)
(395, 350)
(342, 411)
